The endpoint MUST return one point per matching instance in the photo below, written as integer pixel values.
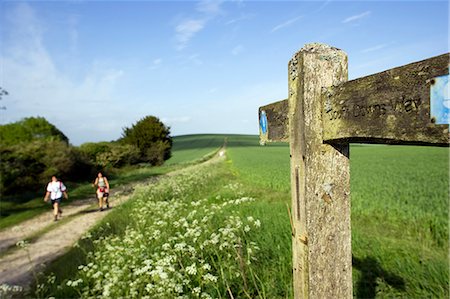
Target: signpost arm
(320, 180)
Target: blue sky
(94, 67)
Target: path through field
(50, 239)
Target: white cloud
(356, 17)
(323, 6)
(285, 24)
(243, 17)
(374, 48)
(186, 30)
(210, 7)
(237, 50)
(38, 87)
(156, 63)
(195, 58)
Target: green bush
(27, 167)
(151, 137)
(29, 129)
(108, 155)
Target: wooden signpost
(323, 114)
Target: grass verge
(200, 233)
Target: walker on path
(102, 184)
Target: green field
(190, 148)
(399, 211)
(399, 222)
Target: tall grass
(400, 220)
(399, 213)
(399, 227)
(196, 234)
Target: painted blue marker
(263, 122)
(439, 100)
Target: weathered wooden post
(322, 116)
(320, 179)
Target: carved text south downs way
(362, 109)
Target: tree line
(33, 149)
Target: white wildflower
(192, 269)
(257, 223)
(206, 267)
(209, 277)
(205, 296)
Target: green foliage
(26, 167)
(107, 155)
(3, 92)
(29, 129)
(152, 138)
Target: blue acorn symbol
(263, 122)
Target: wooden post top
(388, 107)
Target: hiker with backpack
(102, 190)
(55, 191)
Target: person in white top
(55, 191)
(102, 190)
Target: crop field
(399, 213)
(190, 148)
(221, 230)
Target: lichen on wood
(388, 107)
(320, 174)
(277, 122)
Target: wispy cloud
(243, 17)
(356, 17)
(285, 24)
(188, 28)
(323, 6)
(156, 63)
(374, 48)
(195, 58)
(210, 7)
(237, 50)
(38, 87)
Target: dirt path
(16, 264)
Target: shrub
(27, 167)
(110, 154)
(29, 129)
(151, 137)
